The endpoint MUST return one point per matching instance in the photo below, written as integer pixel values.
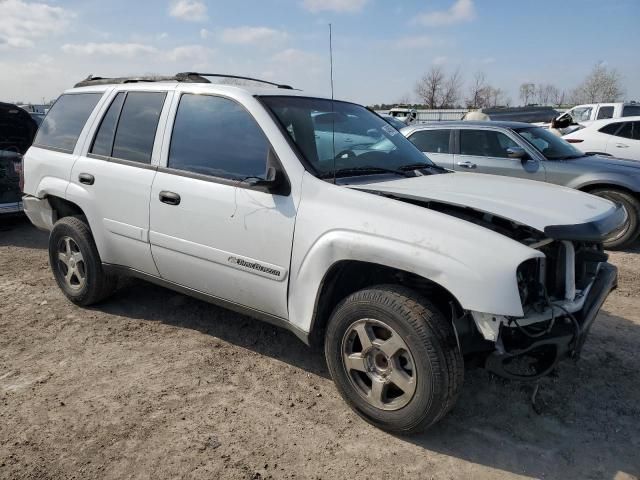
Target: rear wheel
(627, 234)
(76, 263)
(394, 358)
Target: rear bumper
(566, 339)
(12, 207)
(39, 212)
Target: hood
(559, 212)
(608, 164)
(17, 128)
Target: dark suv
(17, 130)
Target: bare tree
(495, 97)
(601, 85)
(404, 99)
(546, 93)
(527, 92)
(451, 90)
(429, 87)
(478, 91)
(559, 98)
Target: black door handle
(170, 198)
(86, 178)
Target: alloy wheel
(379, 364)
(71, 263)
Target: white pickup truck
(599, 111)
(398, 267)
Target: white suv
(401, 268)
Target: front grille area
(567, 269)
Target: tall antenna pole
(331, 60)
(333, 120)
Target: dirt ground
(153, 384)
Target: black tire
(96, 285)
(624, 239)
(433, 349)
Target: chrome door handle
(621, 145)
(467, 164)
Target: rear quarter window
(61, 127)
(631, 111)
(611, 129)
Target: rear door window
(605, 112)
(626, 131)
(64, 122)
(136, 129)
(432, 141)
(103, 142)
(630, 130)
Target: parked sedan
(522, 150)
(619, 137)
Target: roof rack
(184, 77)
(223, 75)
(180, 77)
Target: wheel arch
(345, 277)
(62, 207)
(588, 183)
(590, 187)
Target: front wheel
(76, 264)
(394, 358)
(627, 234)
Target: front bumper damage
(518, 356)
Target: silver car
(526, 151)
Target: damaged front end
(561, 291)
(561, 295)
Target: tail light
(574, 140)
(17, 166)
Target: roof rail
(184, 77)
(180, 77)
(238, 77)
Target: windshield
(549, 144)
(394, 122)
(580, 114)
(338, 137)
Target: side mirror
(517, 152)
(275, 181)
(269, 180)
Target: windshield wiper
(420, 166)
(354, 171)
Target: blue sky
(381, 47)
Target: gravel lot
(153, 384)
